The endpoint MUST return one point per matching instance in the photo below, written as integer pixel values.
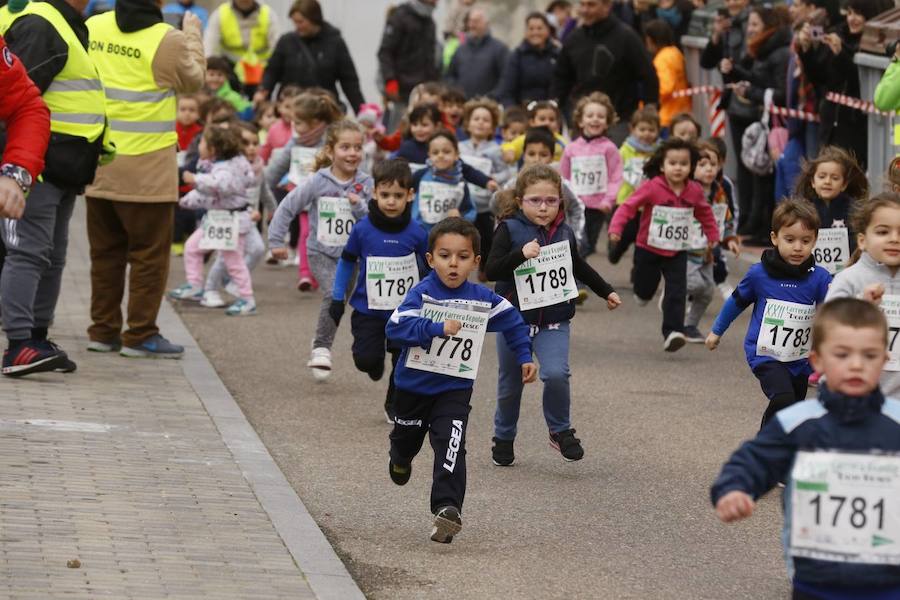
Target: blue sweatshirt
(393, 238)
(772, 278)
(830, 422)
(455, 176)
(408, 329)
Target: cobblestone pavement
(121, 468)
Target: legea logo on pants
(453, 446)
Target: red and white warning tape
(793, 113)
(701, 89)
(860, 105)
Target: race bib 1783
(785, 331)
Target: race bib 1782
(388, 278)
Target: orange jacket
(670, 69)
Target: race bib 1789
(546, 279)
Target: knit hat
(16, 6)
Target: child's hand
(452, 327)
(255, 216)
(454, 212)
(613, 301)
(188, 177)
(734, 506)
(353, 198)
(531, 249)
(734, 246)
(529, 372)
(336, 311)
(873, 293)
(280, 253)
(712, 341)
(615, 238)
(493, 185)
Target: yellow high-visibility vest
(252, 57)
(75, 97)
(141, 114)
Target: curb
(326, 574)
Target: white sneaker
(675, 341)
(320, 363)
(726, 290)
(242, 308)
(212, 299)
(232, 289)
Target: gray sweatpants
(35, 256)
(700, 288)
(254, 250)
(323, 268)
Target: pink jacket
(597, 146)
(280, 132)
(657, 192)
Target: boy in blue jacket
(441, 326)
(390, 248)
(785, 287)
(838, 453)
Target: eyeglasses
(536, 201)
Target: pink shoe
(307, 284)
(813, 380)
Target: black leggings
(780, 386)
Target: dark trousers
(484, 223)
(648, 267)
(629, 235)
(780, 386)
(122, 234)
(444, 418)
(593, 225)
(370, 345)
(185, 224)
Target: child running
(785, 287)
(534, 261)
(441, 325)
(541, 113)
(424, 122)
(833, 182)
(669, 201)
(222, 187)
(335, 197)
(390, 248)
(592, 164)
(874, 276)
(838, 455)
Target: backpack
(755, 142)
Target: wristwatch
(18, 174)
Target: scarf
(312, 137)
(451, 175)
(386, 223)
(850, 409)
(778, 268)
(640, 147)
(423, 9)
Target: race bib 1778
(785, 331)
(845, 507)
(454, 355)
(546, 279)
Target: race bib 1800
(388, 278)
(589, 175)
(454, 355)
(890, 306)
(785, 331)
(670, 228)
(335, 221)
(437, 199)
(546, 279)
(832, 249)
(221, 229)
(846, 507)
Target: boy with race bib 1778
(441, 325)
(840, 454)
(784, 287)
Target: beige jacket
(180, 65)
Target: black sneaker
(502, 453)
(399, 475)
(693, 335)
(567, 444)
(68, 365)
(447, 523)
(32, 356)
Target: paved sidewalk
(146, 473)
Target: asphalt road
(631, 520)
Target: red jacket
(27, 117)
(657, 192)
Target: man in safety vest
(51, 40)
(244, 31)
(143, 63)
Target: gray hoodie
(850, 283)
(306, 198)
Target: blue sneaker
(32, 357)
(187, 292)
(241, 308)
(154, 347)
